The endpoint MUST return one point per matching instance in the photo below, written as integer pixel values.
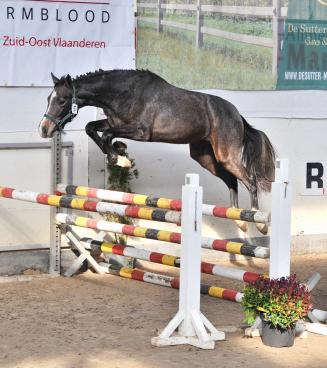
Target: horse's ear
(68, 81)
(54, 79)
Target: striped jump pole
(168, 260)
(164, 203)
(92, 206)
(169, 281)
(162, 235)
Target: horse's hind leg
(202, 153)
(263, 228)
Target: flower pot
(276, 338)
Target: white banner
(63, 36)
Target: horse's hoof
(120, 147)
(263, 228)
(243, 225)
(123, 161)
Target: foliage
(119, 179)
(280, 302)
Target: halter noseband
(60, 123)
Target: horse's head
(62, 107)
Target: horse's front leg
(263, 228)
(115, 152)
(104, 141)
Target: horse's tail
(258, 157)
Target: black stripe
(247, 215)
(152, 201)
(247, 250)
(158, 215)
(66, 202)
(204, 289)
(152, 234)
(71, 189)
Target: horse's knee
(90, 128)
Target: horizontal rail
(188, 27)
(164, 203)
(221, 245)
(168, 260)
(188, 7)
(256, 11)
(148, 19)
(168, 281)
(147, 5)
(92, 206)
(253, 40)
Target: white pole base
(204, 336)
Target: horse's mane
(101, 72)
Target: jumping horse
(141, 106)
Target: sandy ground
(106, 321)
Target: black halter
(60, 123)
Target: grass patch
(219, 64)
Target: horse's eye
(62, 101)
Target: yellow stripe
(140, 231)
(145, 213)
(234, 247)
(233, 213)
(54, 200)
(140, 199)
(78, 203)
(126, 272)
(168, 260)
(163, 203)
(81, 221)
(82, 191)
(107, 247)
(164, 235)
(1, 190)
(216, 291)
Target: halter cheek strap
(60, 123)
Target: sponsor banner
(303, 63)
(42, 36)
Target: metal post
(160, 16)
(277, 32)
(192, 325)
(199, 25)
(56, 148)
(280, 239)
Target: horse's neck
(103, 92)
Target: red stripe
(132, 211)
(250, 276)
(230, 294)
(219, 245)
(92, 223)
(220, 212)
(90, 206)
(156, 257)
(118, 249)
(7, 192)
(128, 230)
(174, 283)
(128, 198)
(42, 198)
(207, 267)
(176, 238)
(92, 192)
(138, 275)
(58, 193)
(176, 205)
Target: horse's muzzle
(46, 128)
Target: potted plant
(280, 303)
